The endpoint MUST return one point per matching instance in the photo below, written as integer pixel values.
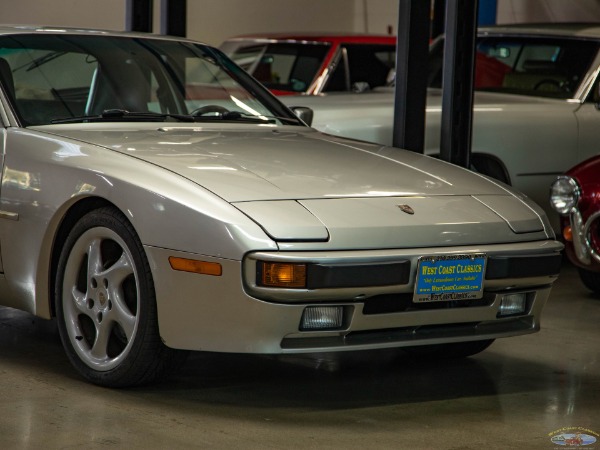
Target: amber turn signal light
(568, 233)
(285, 275)
(195, 266)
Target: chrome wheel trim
(101, 312)
(587, 232)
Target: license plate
(449, 277)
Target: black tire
(449, 351)
(591, 280)
(106, 305)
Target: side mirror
(304, 113)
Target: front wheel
(449, 351)
(106, 305)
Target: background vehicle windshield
(56, 77)
(542, 67)
(289, 67)
(279, 66)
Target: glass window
(280, 66)
(52, 78)
(544, 67)
(370, 65)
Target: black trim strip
(523, 266)
(357, 275)
(540, 174)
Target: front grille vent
(394, 303)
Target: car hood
(299, 184)
(287, 163)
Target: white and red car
(536, 105)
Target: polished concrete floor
(517, 394)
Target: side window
(42, 88)
(493, 62)
(364, 65)
(542, 67)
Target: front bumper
(231, 314)
(583, 252)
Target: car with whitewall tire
(535, 107)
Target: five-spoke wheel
(106, 305)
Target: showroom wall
(213, 21)
(516, 11)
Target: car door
(588, 119)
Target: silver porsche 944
(156, 199)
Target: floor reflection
(513, 395)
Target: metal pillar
(457, 85)
(438, 18)
(173, 15)
(411, 75)
(138, 15)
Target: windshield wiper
(243, 117)
(123, 114)
(42, 60)
(235, 116)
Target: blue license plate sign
(449, 277)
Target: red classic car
(576, 196)
(315, 63)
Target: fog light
(322, 318)
(511, 304)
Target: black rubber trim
(523, 266)
(320, 276)
(409, 335)
(395, 303)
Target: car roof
(42, 29)
(563, 29)
(317, 37)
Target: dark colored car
(576, 196)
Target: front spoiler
(209, 313)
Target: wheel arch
(45, 290)
(488, 164)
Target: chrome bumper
(582, 246)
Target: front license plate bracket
(449, 277)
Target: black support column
(138, 15)
(438, 18)
(173, 15)
(411, 75)
(457, 87)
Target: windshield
(542, 67)
(52, 78)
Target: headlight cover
(564, 194)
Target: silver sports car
(156, 199)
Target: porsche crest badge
(407, 209)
